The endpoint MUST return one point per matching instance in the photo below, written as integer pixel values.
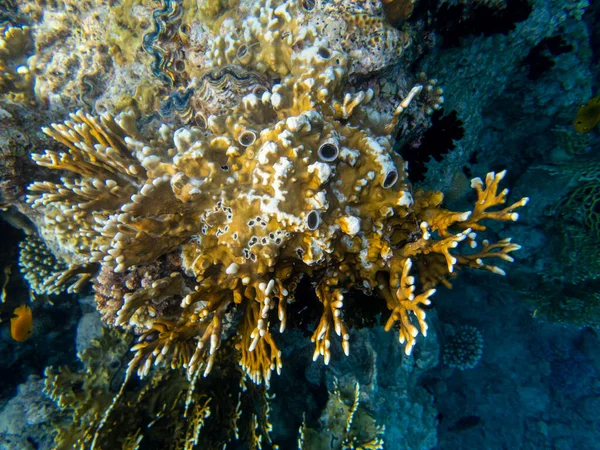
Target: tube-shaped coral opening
(200, 121)
(324, 53)
(179, 65)
(313, 219)
(259, 91)
(308, 5)
(328, 151)
(247, 138)
(390, 179)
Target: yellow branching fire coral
(248, 212)
(193, 227)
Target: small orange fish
(588, 116)
(21, 324)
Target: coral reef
(497, 84)
(78, 66)
(570, 141)
(136, 200)
(47, 274)
(567, 295)
(463, 350)
(222, 410)
(575, 224)
(82, 397)
(223, 153)
(567, 305)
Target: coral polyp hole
(324, 53)
(328, 152)
(242, 50)
(298, 46)
(390, 179)
(308, 5)
(179, 66)
(247, 138)
(185, 29)
(313, 219)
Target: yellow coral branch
(259, 358)
(488, 197)
(500, 249)
(403, 303)
(333, 302)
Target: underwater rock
(88, 328)
(25, 421)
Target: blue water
(508, 362)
